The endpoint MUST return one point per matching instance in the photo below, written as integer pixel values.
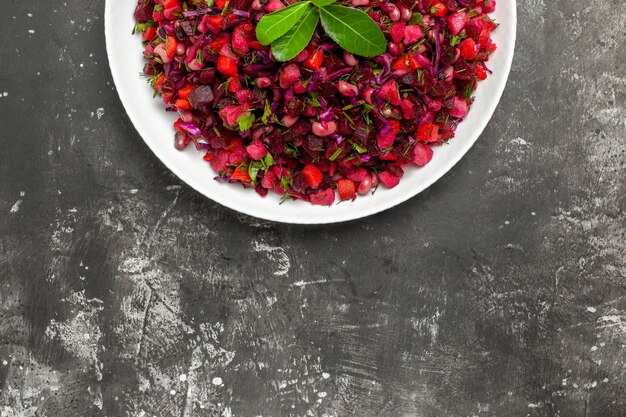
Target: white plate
(155, 127)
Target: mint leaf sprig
(290, 30)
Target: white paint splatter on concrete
(427, 325)
(71, 332)
(16, 207)
(520, 141)
(611, 318)
(303, 283)
(276, 255)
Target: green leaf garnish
(245, 121)
(253, 170)
(267, 112)
(313, 100)
(335, 155)
(268, 161)
(322, 3)
(353, 30)
(274, 25)
(358, 148)
(456, 39)
(289, 30)
(297, 38)
(469, 90)
(416, 19)
(140, 27)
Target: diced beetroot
(218, 159)
(395, 169)
(260, 190)
(237, 153)
(244, 96)
(407, 108)
(476, 26)
(143, 11)
(385, 140)
(388, 180)
(239, 42)
(273, 6)
(389, 156)
(489, 6)
(412, 34)
(397, 31)
(323, 198)
(289, 76)
(460, 107)
(387, 135)
(230, 114)
(457, 21)
(434, 104)
(422, 154)
(256, 150)
(357, 174)
(200, 95)
(237, 156)
(288, 120)
(270, 180)
(389, 92)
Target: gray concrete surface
(501, 291)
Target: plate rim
(330, 217)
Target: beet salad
(316, 100)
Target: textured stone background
(501, 291)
